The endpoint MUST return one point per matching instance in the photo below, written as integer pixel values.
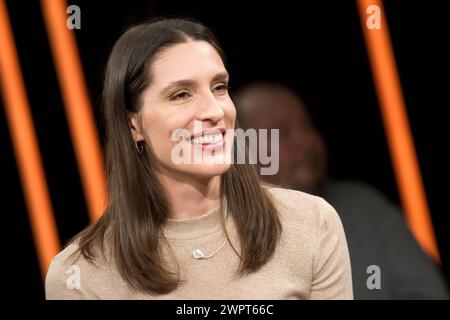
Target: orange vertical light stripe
(397, 129)
(78, 109)
(26, 147)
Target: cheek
(230, 112)
(157, 129)
(318, 144)
(284, 153)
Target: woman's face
(188, 91)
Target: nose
(210, 109)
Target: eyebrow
(222, 76)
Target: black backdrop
(317, 47)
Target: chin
(209, 170)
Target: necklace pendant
(198, 254)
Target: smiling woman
(208, 230)
(189, 84)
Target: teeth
(208, 139)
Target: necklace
(198, 253)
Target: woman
(178, 230)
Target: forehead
(188, 60)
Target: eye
(221, 88)
(181, 95)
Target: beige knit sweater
(310, 262)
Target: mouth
(210, 137)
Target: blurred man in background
(378, 238)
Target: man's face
(302, 149)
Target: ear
(135, 126)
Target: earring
(139, 150)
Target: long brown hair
(138, 206)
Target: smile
(208, 139)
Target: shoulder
(313, 240)
(300, 207)
(305, 218)
(72, 276)
(356, 190)
(359, 202)
(61, 271)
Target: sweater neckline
(193, 228)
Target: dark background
(316, 46)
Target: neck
(191, 197)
